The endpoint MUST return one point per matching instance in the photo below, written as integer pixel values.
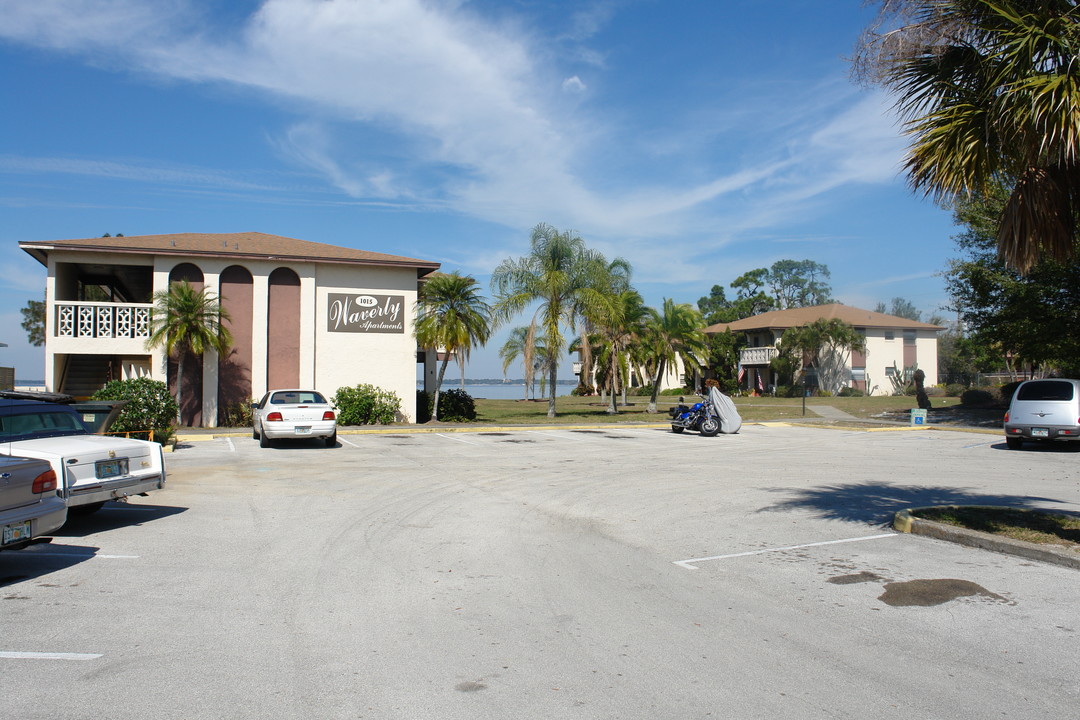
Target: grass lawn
(581, 410)
(1029, 525)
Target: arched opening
(283, 330)
(234, 371)
(192, 386)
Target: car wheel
(709, 427)
(677, 429)
(264, 442)
(1014, 443)
(254, 432)
(331, 441)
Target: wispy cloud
(483, 103)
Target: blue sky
(697, 139)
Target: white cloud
(462, 93)
(573, 84)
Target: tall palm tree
(825, 337)
(523, 343)
(619, 318)
(185, 320)
(990, 90)
(453, 316)
(674, 333)
(562, 276)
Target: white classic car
(90, 469)
(293, 414)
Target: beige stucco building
(893, 345)
(302, 314)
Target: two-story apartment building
(893, 344)
(301, 314)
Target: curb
(904, 521)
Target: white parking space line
(688, 564)
(76, 553)
(451, 437)
(341, 439)
(48, 656)
(232, 448)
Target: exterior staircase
(84, 375)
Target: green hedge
(366, 405)
(150, 406)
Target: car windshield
(30, 424)
(297, 397)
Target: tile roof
(794, 317)
(251, 245)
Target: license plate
(303, 431)
(15, 533)
(1040, 432)
(110, 468)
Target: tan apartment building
(893, 345)
(302, 314)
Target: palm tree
(619, 319)
(523, 343)
(674, 333)
(990, 91)
(823, 338)
(560, 274)
(185, 320)
(453, 316)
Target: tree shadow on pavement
(876, 503)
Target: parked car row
(52, 465)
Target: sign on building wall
(366, 313)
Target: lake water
(504, 391)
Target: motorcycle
(714, 414)
(700, 417)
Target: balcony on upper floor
(96, 327)
(757, 355)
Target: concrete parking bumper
(905, 521)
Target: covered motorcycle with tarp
(714, 414)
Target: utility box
(918, 417)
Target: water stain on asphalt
(470, 686)
(927, 593)
(494, 434)
(862, 577)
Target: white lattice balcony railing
(757, 355)
(102, 320)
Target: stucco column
(260, 297)
(211, 284)
(309, 325)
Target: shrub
(677, 391)
(423, 406)
(643, 391)
(366, 405)
(788, 391)
(238, 415)
(978, 398)
(583, 390)
(456, 405)
(150, 406)
(850, 392)
(955, 389)
(1007, 390)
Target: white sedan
(293, 414)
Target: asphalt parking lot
(615, 572)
